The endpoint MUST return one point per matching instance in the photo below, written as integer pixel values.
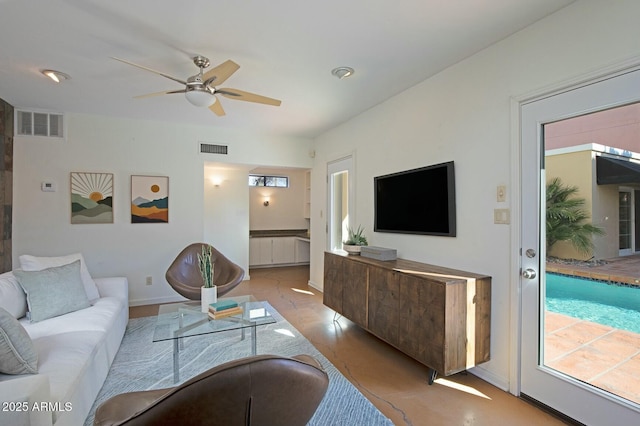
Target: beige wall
(286, 205)
(605, 215)
(574, 169)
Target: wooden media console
(439, 316)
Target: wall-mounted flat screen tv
(417, 201)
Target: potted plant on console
(355, 240)
(209, 292)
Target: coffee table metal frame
(176, 321)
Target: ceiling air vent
(207, 148)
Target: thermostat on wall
(48, 186)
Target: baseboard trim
(490, 377)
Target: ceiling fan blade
(151, 70)
(217, 109)
(150, 95)
(218, 75)
(241, 95)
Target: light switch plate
(501, 193)
(501, 216)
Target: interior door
(574, 398)
(340, 202)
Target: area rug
(141, 365)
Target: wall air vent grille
(30, 123)
(207, 148)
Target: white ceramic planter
(207, 297)
(353, 250)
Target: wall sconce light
(216, 181)
(266, 202)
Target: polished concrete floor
(394, 383)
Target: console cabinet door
(432, 345)
(422, 320)
(384, 304)
(333, 282)
(411, 330)
(354, 293)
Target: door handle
(529, 273)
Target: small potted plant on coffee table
(209, 292)
(355, 240)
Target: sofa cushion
(17, 353)
(34, 263)
(12, 297)
(53, 291)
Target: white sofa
(74, 350)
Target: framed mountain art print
(149, 199)
(91, 197)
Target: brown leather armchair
(259, 390)
(184, 275)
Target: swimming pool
(595, 301)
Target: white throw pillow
(53, 291)
(34, 263)
(12, 297)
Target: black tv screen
(417, 201)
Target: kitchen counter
(270, 233)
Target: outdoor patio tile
(623, 380)
(620, 342)
(554, 321)
(556, 347)
(583, 332)
(586, 363)
(600, 276)
(580, 273)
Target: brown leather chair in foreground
(184, 274)
(259, 390)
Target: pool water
(602, 303)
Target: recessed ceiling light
(342, 72)
(56, 76)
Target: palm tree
(566, 218)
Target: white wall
(463, 114)
(41, 220)
(286, 205)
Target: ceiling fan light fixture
(200, 97)
(56, 76)
(342, 72)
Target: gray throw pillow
(53, 291)
(17, 354)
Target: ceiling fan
(200, 89)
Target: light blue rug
(141, 364)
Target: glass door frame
(533, 379)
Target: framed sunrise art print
(91, 197)
(149, 199)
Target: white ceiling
(286, 50)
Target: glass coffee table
(179, 320)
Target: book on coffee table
(222, 305)
(226, 313)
